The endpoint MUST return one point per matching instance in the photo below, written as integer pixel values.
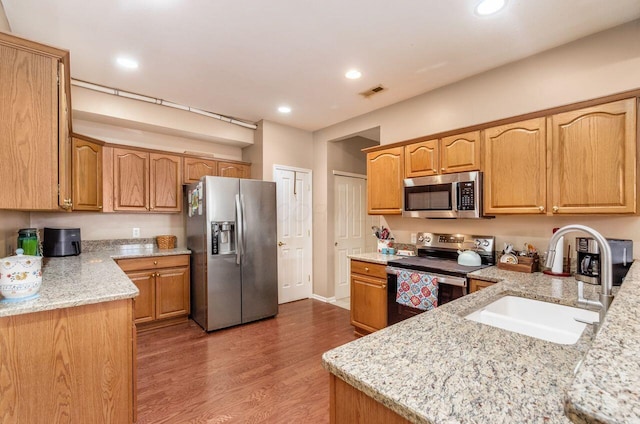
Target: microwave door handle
(456, 206)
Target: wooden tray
(527, 264)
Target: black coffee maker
(588, 266)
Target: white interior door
(350, 195)
(293, 188)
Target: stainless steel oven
(456, 195)
(437, 257)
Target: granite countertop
(439, 367)
(91, 277)
(374, 257)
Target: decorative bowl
(20, 276)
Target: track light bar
(134, 96)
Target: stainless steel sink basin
(542, 320)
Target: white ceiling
(245, 58)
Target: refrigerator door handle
(239, 230)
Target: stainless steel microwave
(456, 195)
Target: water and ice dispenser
(223, 238)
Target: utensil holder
(526, 264)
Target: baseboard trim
(331, 299)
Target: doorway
(295, 262)
(350, 216)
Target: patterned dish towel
(417, 290)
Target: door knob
(335, 244)
(541, 208)
(556, 209)
(281, 243)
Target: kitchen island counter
(91, 277)
(440, 367)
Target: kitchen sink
(542, 320)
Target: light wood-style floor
(264, 372)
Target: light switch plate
(135, 233)
(414, 238)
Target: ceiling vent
(375, 90)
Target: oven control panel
(456, 241)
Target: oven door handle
(442, 279)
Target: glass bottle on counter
(29, 241)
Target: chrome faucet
(606, 281)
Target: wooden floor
(264, 372)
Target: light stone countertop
(374, 257)
(441, 368)
(91, 277)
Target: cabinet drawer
(153, 262)
(368, 268)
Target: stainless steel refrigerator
(231, 232)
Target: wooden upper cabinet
(457, 153)
(165, 183)
(130, 180)
(385, 172)
(593, 159)
(515, 178)
(421, 159)
(195, 168)
(234, 170)
(144, 181)
(460, 153)
(86, 175)
(32, 124)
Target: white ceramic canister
(20, 276)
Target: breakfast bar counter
(439, 367)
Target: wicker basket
(166, 242)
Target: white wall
(104, 226)
(10, 223)
(595, 66)
(4, 23)
(277, 144)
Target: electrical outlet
(414, 238)
(136, 233)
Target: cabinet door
(515, 173)
(368, 302)
(87, 175)
(233, 170)
(385, 172)
(166, 184)
(131, 180)
(460, 152)
(145, 303)
(65, 183)
(593, 154)
(475, 285)
(172, 292)
(194, 169)
(421, 159)
(28, 128)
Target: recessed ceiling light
(489, 7)
(353, 74)
(284, 109)
(127, 63)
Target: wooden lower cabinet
(70, 365)
(349, 405)
(475, 285)
(368, 297)
(163, 282)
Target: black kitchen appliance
(61, 242)
(588, 266)
(438, 257)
